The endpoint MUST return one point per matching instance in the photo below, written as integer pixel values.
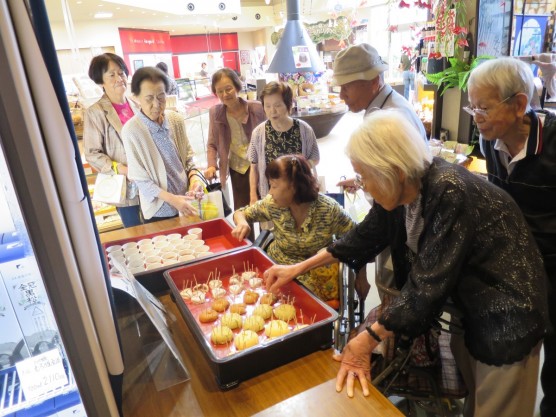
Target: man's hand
(356, 364)
(210, 173)
(241, 230)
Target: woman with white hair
(453, 235)
(519, 145)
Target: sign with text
(145, 41)
(41, 374)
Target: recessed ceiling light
(118, 8)
(103, 15)
(100, 5)
(78, 2)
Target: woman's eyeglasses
(473, 111)
(358, 181)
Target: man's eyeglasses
(484, 112)
(358, 181)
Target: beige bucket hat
(358, 62)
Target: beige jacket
(102, 141)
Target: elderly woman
(279, 135)
(159, 154)
(520, 149)
(103, 146)
(231, 124)
(304, 220)
(453, 235)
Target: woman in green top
(304, 221)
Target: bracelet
(373, 334)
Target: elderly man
(359, 71)
(519, 145)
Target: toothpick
(313, 319)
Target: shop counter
(321, 122)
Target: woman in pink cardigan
(230, 126)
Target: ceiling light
(267, 2)
(103, 15)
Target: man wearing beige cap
(359, 71)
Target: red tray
(229, 365)
(217, 234)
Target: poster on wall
(529, 31)
(245, 57)
(493, 27)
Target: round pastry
(268, 298)
(214, 283)
(245, 339)
(220, 305)
(198, 297)
(201, 287)
(247, 275)
(276, 328)
(235, 280)
(231, 320)
(218, 292)
(285, 312)
(254, 323)
(263, 310)
(250, 297)
(208, 315)
(238, 308)
(235, 289)
(221, 335)
(186, 293)
(255, 282)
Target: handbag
(214, 188)
(110, 189)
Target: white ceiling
(177, 23)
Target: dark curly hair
(281, 88)
(297, 170)
(99, 65)
(148, 73)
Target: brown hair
(281, 88)
(297, 170)
(226, 72)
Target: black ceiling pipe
(295, 51)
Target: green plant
(457, 74)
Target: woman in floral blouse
(279, 135)
(304, 220)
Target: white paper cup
(181, 246)
(153, 266)
(189, 238)
(202, 248)
(117, 254)
(134, 250)
(135, 258)
(169, 256)
(170, 261)
(113, 248)
(202, 254)
(153, 252)
(173, 236)
(196, 231)
(161, 244)
(137, 270)
(136, 263)
(153, 259)
(185, 252)
(159, 238)
(147, 241)
(167, 249)
(129, 245)
(145, 247)
(196, 243)
(186, 258)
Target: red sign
(145, 41)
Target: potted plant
(457, 74)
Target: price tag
(41, 374)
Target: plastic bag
(357, 205)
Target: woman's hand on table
(356, 364)
(210, 173)
(241, 230)
(279, 275)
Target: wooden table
(305, 387)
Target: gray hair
(387, 144)
(506, 75)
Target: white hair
(387, 144)
(506, 75)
